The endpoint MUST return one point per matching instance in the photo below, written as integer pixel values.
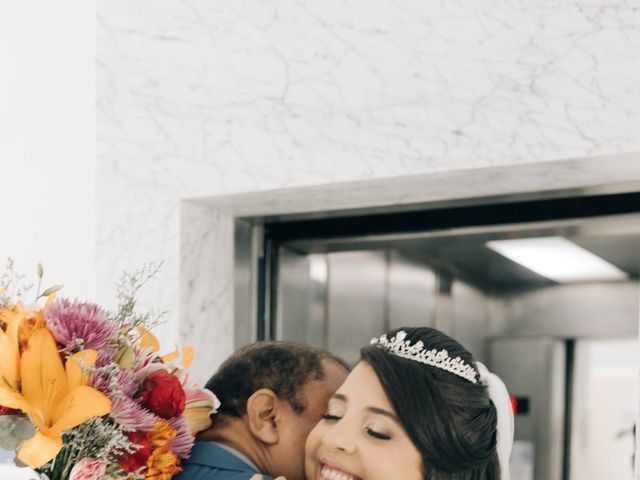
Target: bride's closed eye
(331, 418)
(371, 431)
(335, 410)
(376, 434)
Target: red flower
(133, 461)
(162, 393)
(8, 411)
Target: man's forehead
(318, 392)
(334, 369)
(334, 375)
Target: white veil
(500, 397)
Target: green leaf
(51, 290)
(15, 429)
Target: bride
(416, 407)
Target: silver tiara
(438, 359)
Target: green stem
(13, 389)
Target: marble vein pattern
(206, 286)
(255, 95)
(201, 98)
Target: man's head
(276, 392)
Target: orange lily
(148, 340)
(9, 355)
(186, 353)
(21, 322)
(13, 318)
(55, 397)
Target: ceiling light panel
(557, 259)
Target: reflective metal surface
(248, 239)
(534, 368)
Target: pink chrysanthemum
(132, 416)
(113, 385)
(183, 441)
(105, 356)
(79, 325)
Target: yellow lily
(55, 397)
(13, 318)
(187, 354)
(19, 328)
(21, 322)
(9, 356)
(148, 340)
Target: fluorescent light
(558, 259)
(318, 268)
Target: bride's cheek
(313, 440)
(311, 447)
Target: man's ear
(262, 411)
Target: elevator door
(341, 300)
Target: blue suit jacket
(210, 462)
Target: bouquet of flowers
(85, 393)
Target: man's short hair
(283, 367)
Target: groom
(272, 395)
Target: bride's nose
(342, 436)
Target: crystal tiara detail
(438, 359)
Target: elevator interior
(567, 351)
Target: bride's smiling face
(360, 436)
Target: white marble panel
(206, 286)
(212, 96)
(139, 225)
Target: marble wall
(204, 98)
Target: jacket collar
(212, 455)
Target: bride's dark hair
(450, 420)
